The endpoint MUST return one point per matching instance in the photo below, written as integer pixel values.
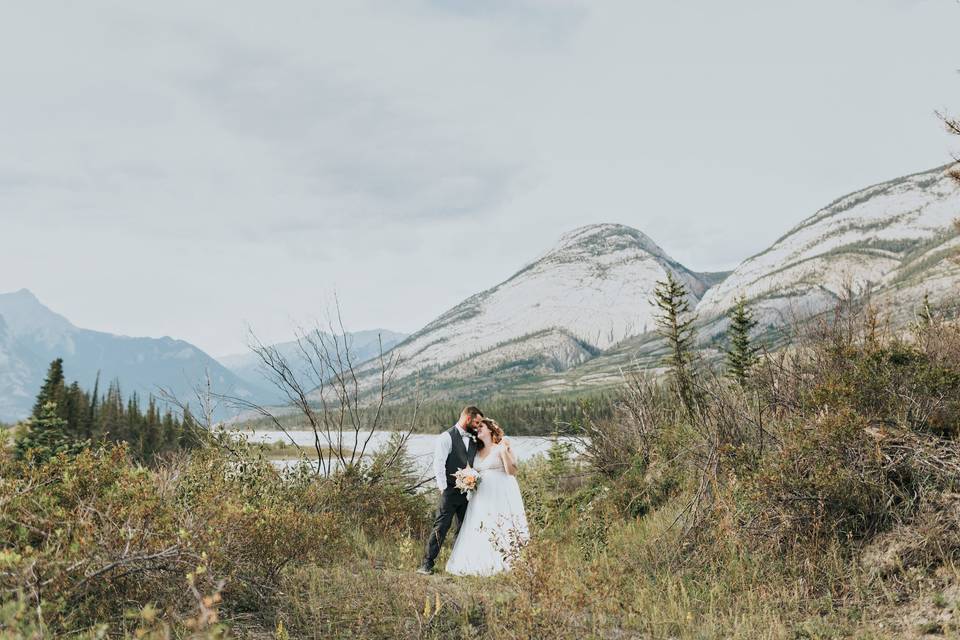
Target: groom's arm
(440, 452)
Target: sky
(194, 169)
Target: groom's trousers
(453, 504)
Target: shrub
(93, 535)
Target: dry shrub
(356, 601)
(91, 537)
(376, 508)
(931, 539)
(613, 445)
(863, 432)
(635, 452)
(838, 437)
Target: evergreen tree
(742, 354)
(77, 408)
(151, 438)
(46, 436)
(171, 432)
(110, 423)
(53, 389)
(91, 420)
(66, 418)
(189, 430)
(675, 325)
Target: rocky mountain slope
(890, 238)
(897, 240)
(585, 294)
(31, 336)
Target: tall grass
(819, 500)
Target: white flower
(467, 480)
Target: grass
(281, 450)
(839, 518)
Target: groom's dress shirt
(440, 453)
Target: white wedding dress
(495, 527)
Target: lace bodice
(491, 459)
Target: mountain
(585, 294)
(574, 319)
(892, 238)
(897, 239)
(363, 346)
(31, 336)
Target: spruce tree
(171, 433)
(675, 325)
(77, 409)
(46, 436)
(151, 436)
(53, 389)
(742, 354)
(90, 423)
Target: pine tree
(111, 419)
(91, 421)
(742, 354)
(46, 436)
(53, 389)
(189, 430)
(675, 325)
(171, 432)
(66, 418)
(151, 437)
(77, 409)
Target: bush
(93, 535)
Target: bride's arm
(509, 458)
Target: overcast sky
(194, 167)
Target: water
(419, 445)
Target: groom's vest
(459, 456)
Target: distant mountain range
(31, 336)
(363, 345)
(572, 319)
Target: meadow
(813, 496)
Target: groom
(455, 449)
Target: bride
(495, 527)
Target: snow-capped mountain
(588, 292)
(363, 345)
(31, 336)
(893, 238)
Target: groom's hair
(471, 411)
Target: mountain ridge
(586, 292)
(33, 335)
(892, 237)
(364, 345)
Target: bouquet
(467, 480)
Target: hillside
(587, 293)
(31, 336)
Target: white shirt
(440, 452)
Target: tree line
(66, 418)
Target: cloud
(242, 159)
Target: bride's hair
(496, 433)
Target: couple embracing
(475, 469)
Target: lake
(419, 445)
